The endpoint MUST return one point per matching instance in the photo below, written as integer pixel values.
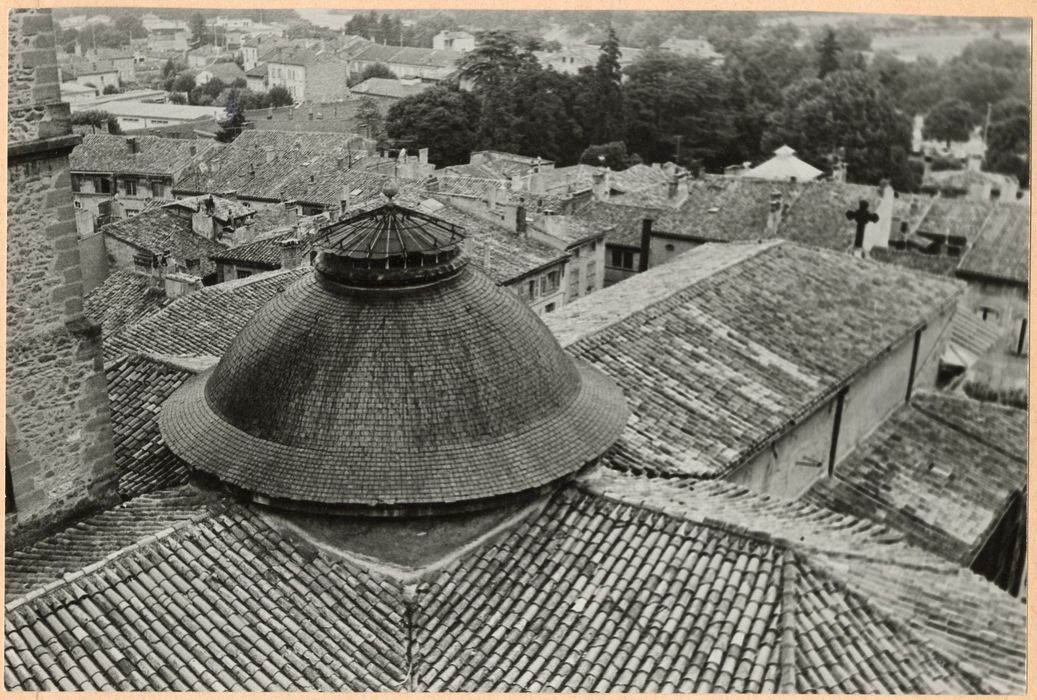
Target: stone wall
(59, 437)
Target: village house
(91, 74)
(570, 59)
(386, 91)
(166, 35)
(693, 48)
(949, 473)
(114, 177)
(972, 183)
(227, 73)
(308, 74)
(453, 40)
(430, 65)
(277, 166)
(125, 64)
(784, 166)
(75, 94)
(255, 78)
(202, 56)
(133, 115)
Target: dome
(395, 379)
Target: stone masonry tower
(59, 435)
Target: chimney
(774, 214)
(974, 162)
(343, 199)
(672, 186)
(293, 253)
(432, 183)
(291, 211)
(599, 185)
(491, 197)
(178, 284)
(423, 156)
(193, 149)
(131, 141)
(520, 219)
(646, 244)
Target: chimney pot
(646, 244)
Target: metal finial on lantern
(390, 190)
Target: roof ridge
(770, 538)
(77, 574)
(789, 602)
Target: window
(158, 190)
(623, 259)
(532, 289)
(243, 273)
(594, 246)
(129, 187)
(669, 247)
(549, 283)
(77, 183)
(549, 308)
(103, 185)
(576, 253)
(132, 212)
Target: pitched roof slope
(204, 322)
(123, 298)
(157, 229)
(943, 481)
(137, 387)
(106, 153)
(1002, 249)
(225, 603)
(719, 349)
(94, 538)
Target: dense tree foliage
(828, 55)
(949, 120)
(233, 125)
(369, 119)
(1008, 140)
(848, 111)
(375, 70)
(613, 155)
(442, 118)
(97, 120)
(600, 106)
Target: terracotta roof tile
(106, 153)
(137, 387)
(159, 229)
(720, 348)
(1001, 250)
(123, 298)
(942, 470)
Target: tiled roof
(619, 584)
(223, 209)
(963, 179)
(226, 72)
(257, 71)
(106, 153)
(945, 485)
(304, 167)
(626, 221)
(719, 349)
(123, 298)
(479, 171)
(263, 253)
(94, 538)
(817, 213)
(408, 55)
(971, 338)
(157, 229)
(723, 209)
(203, 322)
(922, 599)
(1002, 249)
(784, 166)
(386, 87)
(959, 218)
(941, 265)
(221, 603)
(137, 387)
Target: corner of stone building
(58, 441)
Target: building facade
(59, 436)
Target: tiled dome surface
(449, 392)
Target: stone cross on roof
(863, 217)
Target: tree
(278, 96)
(442, 118)
(183, 83)
(369, 118)
(847, 110)
(1008, 140)
(613, 155)
(176, 98)
(198, 28)
(828, 55)
(169, 69)
(233, 125)
(998, 53)
(599, 105)
(376, 70)
(950, 120)
(497, 55)
(110, 90)
(677, 107)
(96, 119)
(130, 26)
